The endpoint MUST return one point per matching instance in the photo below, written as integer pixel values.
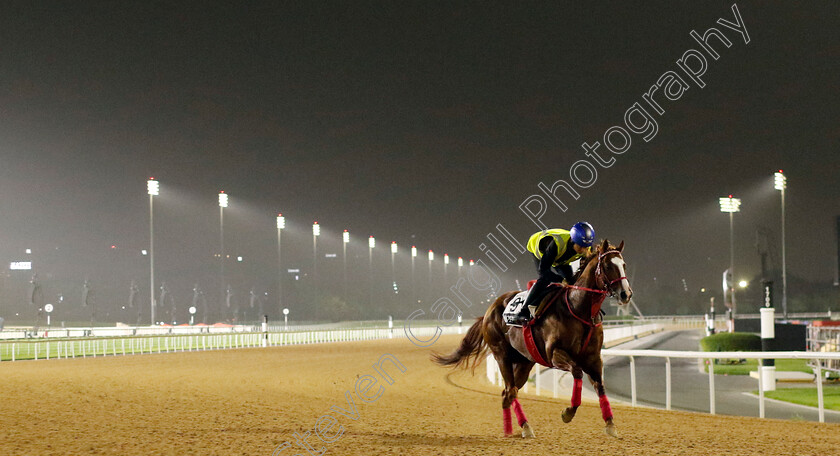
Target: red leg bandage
(606, 411)
(520, 415)
(576, 392)
(506, 419)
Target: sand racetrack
(249, 401)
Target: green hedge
(731, 342)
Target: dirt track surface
(247, 402)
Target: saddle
(514, 306)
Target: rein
(527, 332)
(595, 309)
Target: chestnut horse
(566, 334)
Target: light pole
(393, 274)
(345, 238)
(431, 257)
(731, 205)
(445, 263)
(393, 252)
(316, 231)
(223, 203)
(153, 188)
(371, 245)
(781, 184)
(281, 224)
(413, 286)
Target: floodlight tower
(413, 283)
(731, 205)
(223, 203)
(371, 245)
(431, 258)
(281, 225)
(445, 264)
(316, 231)
(393, 252)
(780, 182)
(153, 189)
(345, 238)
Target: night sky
(427, 123)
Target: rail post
(633, 380)
(761, 392)
(767, 367)
(667, 383)
(820, 404)
(711, 386)
(265, 331)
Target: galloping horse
(565, 334)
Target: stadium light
(316, 231)
(281, 224)
(345, 238)
(153, 189)
(731, 205)
(223, 203)
(780, 183)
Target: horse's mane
(593, 253)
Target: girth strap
(532, 346)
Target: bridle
(602, 276)
(604, 289)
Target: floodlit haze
(423, 123)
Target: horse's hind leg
(521, 373)
(606, 411)
(569, 412)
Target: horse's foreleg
(569, 412)
(521, 372)
(606, 410)
(561, 360)
(508, 394)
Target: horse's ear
(605, 245)
(620, 246)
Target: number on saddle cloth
(514, 307)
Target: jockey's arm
(547, 273)
(564, 272)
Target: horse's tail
(472, 346)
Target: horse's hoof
(567, 415)
(610, 430)
(527, 432)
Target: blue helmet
(583, 234)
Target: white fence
(823, 339)
(36, 349)
(495, 377)
(667, 355)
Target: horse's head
(610, 272)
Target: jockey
(553, 251)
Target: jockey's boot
(525, 315)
